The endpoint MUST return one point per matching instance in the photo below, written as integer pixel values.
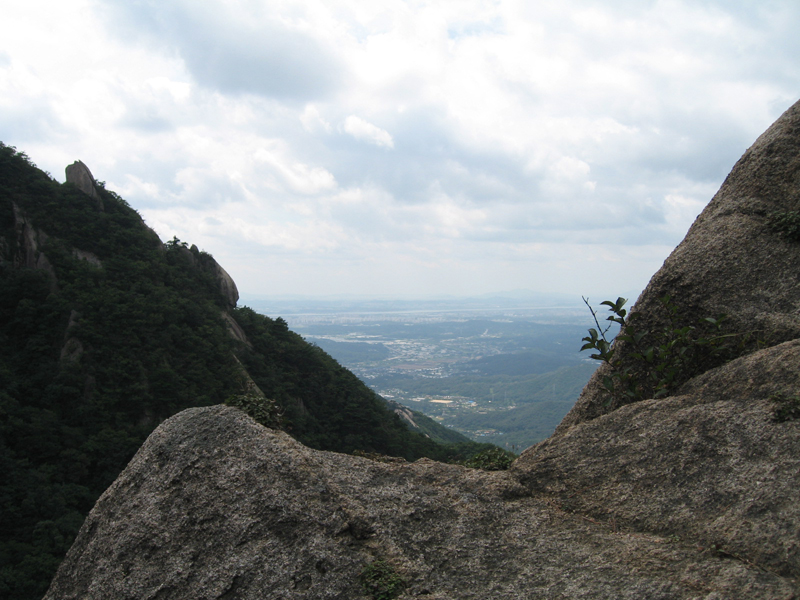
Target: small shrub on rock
(787, 223)
(785, 408)
(265, 411)
(491, 459)
(660, 359)
(381, 581)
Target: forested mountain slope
(105, 332)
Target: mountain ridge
(105, 332)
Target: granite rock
(216, 506)
(81, 177)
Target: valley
(499, 370)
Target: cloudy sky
(386, 148)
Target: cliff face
(79, 175)
(688, 496)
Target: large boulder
(79, 175)
(731, 261)
(216, 506)
(710, 465)
(226, 285)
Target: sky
(404, 148)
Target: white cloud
(296, 176)
(312, 120)
(365, 131)
(532, 143)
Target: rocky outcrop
(709, 465)
(234, 329)
(731, 261)
(89, 257)
(72, 349)
(226, 285)
(690, 496)
(81, 177)
(28, 246)
(216, 506)
(405, 413)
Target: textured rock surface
(709, 465)
(690, 496)
(226, 285)
(29, 240)
(235, 329)
(89, 257)
(216, 506)
(731, 261)
(79, 175)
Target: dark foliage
(491, 459)
(380, 581)
(662, 358)
(92, 358)
(785, 407)
(263, 410)
(786, 223)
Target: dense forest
(105, 331)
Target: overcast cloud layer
(387, 148)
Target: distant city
(498, 369)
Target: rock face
(28, 251)
(226, 285)
(690, 496)
(731, 261)
(216, 506)
(79, 175)
(709, 465)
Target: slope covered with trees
(104, 332)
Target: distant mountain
(105, 331)
(343, 304)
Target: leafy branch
(659, 359)
(263, 410)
